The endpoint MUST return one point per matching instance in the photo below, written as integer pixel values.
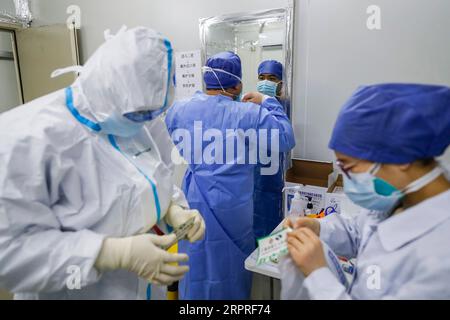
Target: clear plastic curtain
(233, 20)
(211, 45)
(22, 14)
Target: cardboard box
(339, 183)
(316, 174)
(312, 173)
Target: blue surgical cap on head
(394, 123)
(271, 67)
(228, 62)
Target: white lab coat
(406, 256)
(64, 187)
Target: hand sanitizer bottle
(297, 206)
(309, 207)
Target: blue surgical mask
(373, 193)
(268, 88)
(120, 126)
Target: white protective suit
(64, 187)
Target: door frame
(11, 27)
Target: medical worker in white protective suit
(86, 174)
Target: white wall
(7, 6)
(9, 92)
(336, 53)
(176, 19)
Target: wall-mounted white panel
(336, 53)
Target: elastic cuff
(89, 249)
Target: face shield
(149, 115)
(126, 82)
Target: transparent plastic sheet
(23, 10)
(22, 16)
(264, 16)
(285, 15)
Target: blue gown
(223, 193)
(268, 200)
(268, 195)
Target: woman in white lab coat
(386, 140)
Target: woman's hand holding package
(312, 224)
(306, 249)
(305, 246)
(177, 216)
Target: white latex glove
(176, 216)
(142, 255)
